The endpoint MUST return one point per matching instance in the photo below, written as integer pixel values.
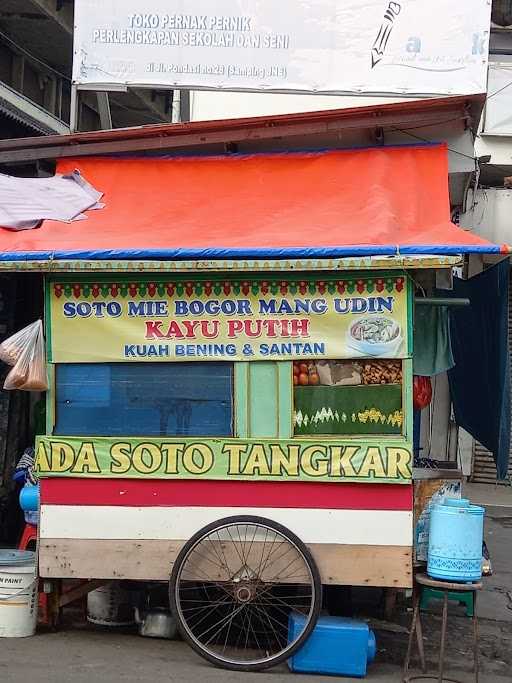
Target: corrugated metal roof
(20, 108)
(16, 115)
(429, 112)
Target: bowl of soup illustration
(375, 336)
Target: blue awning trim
(186, 254)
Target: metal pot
(156, 623)
(110, 605)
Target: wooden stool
(444, 587)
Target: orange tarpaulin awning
(377, 201)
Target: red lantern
(422, 392)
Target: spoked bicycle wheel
(234, 587)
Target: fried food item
(381, 372)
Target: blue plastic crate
(338, 646)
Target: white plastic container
(18, 593)
(455, 541)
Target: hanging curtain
(480, 379)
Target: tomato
(314, 378)
(303, 378)
(295, 380)
(303, 367)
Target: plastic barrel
(455, 541)
(18, 593)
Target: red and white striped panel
(112, 514)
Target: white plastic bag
(11, 348)
(29, 371)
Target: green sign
(235, 459)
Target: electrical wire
(148, 117)
(455, 151)
(418, 137)
(28, 54)
(506, 171)
(496, 92)
(436, 123)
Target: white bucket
(18, 593)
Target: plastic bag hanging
(12, 348)
(29, 371)
(422, 392)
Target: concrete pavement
(83, 656)
(489, 495)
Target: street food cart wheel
(235, 584)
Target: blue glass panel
(144, 399)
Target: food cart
(229, 343)
(248, 518)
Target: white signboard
(312, 46)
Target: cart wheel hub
(245, 593)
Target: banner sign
(234, 321)
(317, 46)
(227, 459)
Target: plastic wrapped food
(326, 373)
(338, 373)
(29, 371)
(11, 348)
